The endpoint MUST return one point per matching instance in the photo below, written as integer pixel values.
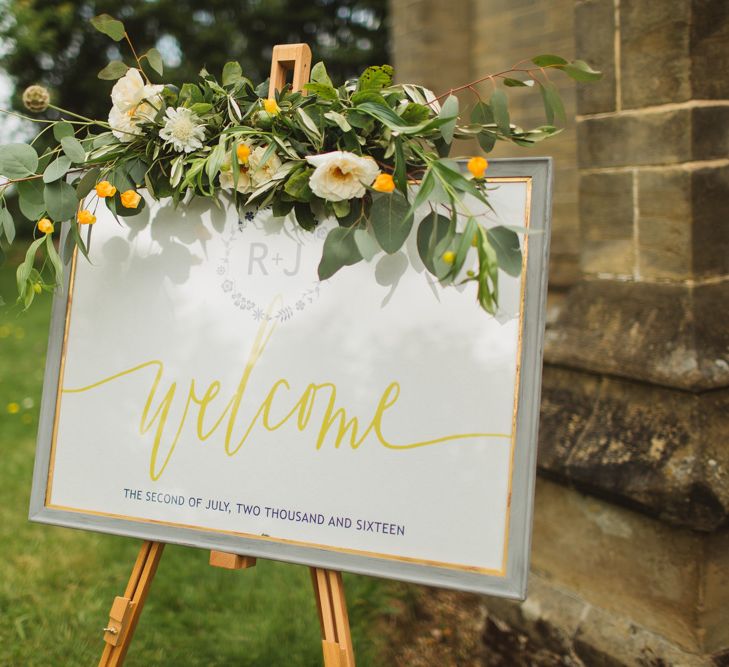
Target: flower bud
(130, 199)
(384, 183)
(45, 226)
(86, 217)
(36, 98)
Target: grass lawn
(57, 584)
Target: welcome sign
(203, 387)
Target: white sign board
(203, 387)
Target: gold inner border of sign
(501, 572)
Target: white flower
(183, 129)
(226, 176)
(262, 173)
(125, 124)
(134, 102)
(341, 175)
(130, 91)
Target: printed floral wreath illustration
(369, 153)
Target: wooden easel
(328, 588)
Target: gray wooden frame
(512, 584)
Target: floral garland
(369, 153)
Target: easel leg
(125, 611)
(333, 618)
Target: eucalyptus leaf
(366, 244)
(31, 190)
(340, 249)
(391, 221)
(32, 210)
(548, 60)
(7, 225)
(433, 228)
(154, 58)
(62, 129)
(109, 26)
(116, 69)
(54, 259)
(73, 149)
(87, 182)
(449, 112)
(60, 200)
(482, 114)
(400, 173)
(18, 160)
(579, 70)
(508, 251)
(499, 105)
(56, 169)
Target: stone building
(630, 561)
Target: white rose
(226, 176)
(262, 173)
(130, 91)
(124, 124)
(341, 175)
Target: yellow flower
(45, 226)
(477, 166)
(105, 189)
(243, 152)
(86, 217)
(449, 257)
(130, 199)
(37, 288)
(271, 106)
(384, 183)
(13, 408)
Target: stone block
(655, 63)
(595, 44)
(664, 224)
(611, 587)
(672, 335)
(633, 140)
(710, 238)
(710, 131)
(709, 52)
(606, 217)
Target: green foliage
(18, 161)
(340, 249)
(114, 70)
(391, 221)
(109, 26)
(260, 149)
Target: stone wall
(446, 44)
(630, 564)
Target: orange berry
(384, 183)
(86, 217)
(130, 199)
(105, 189)
(478, 166)
(45, 226)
